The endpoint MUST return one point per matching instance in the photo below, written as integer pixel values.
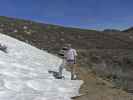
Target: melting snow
(24, 74)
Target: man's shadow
(56, 74)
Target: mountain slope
(24, 74)
(109, 53)
(52, 36)
(27, 77)
(129, 30)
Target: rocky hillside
(129, 30)
(109, 53)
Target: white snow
(24, 74)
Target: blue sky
(90, 14)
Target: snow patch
(24, 74)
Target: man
(70, 56)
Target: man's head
(69, 46)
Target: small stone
(62, 39)
(1, 30)
(25, 27)
(15, 31)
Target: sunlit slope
(24, 74)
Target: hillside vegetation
(109, 54)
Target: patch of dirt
(94, 88)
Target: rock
(15, 31)
(1, 30)
(25, 27)
(28, 32)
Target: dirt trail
(95, 88)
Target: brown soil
(94, 88)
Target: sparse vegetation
(108, 53)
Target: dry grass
(94, 88)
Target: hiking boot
(74, 77)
